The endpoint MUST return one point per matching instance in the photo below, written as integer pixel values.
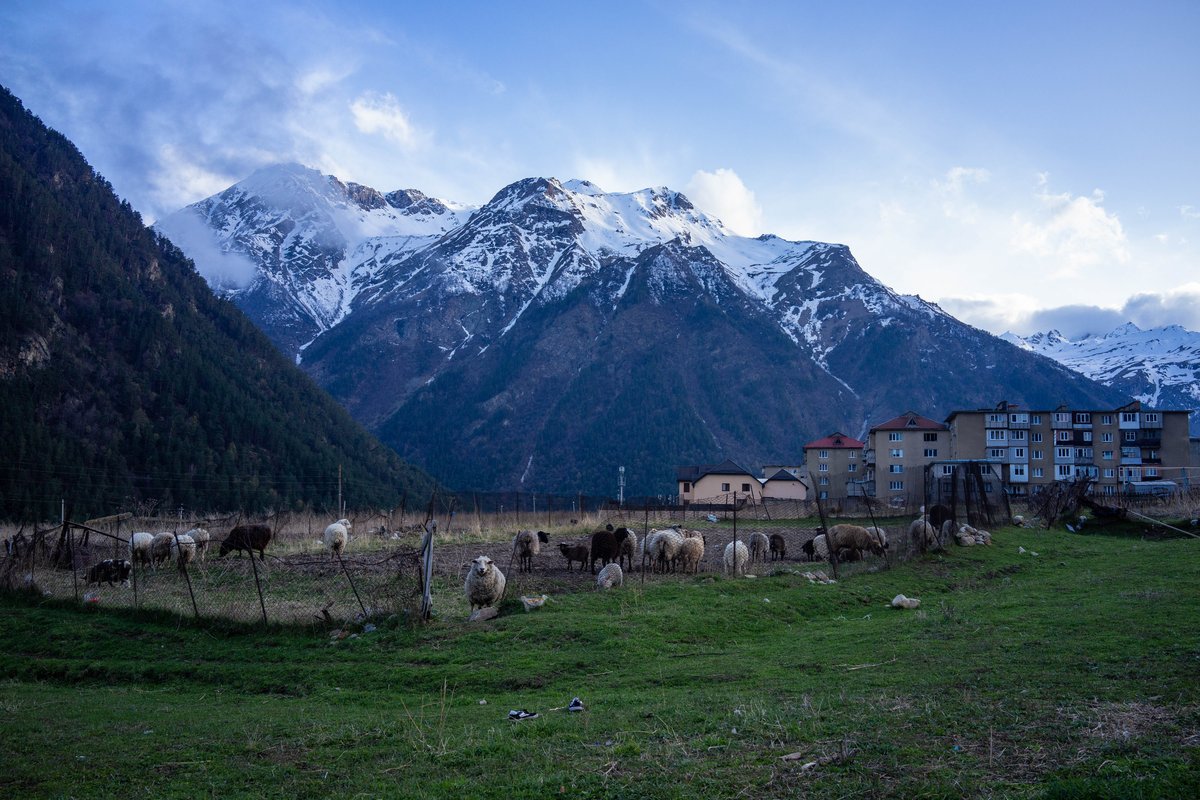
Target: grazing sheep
(691, 553)
(759, 545)
(526, 545)
(627, 545)
(610, 576)
(663, 546)
(604, 548)
(336, 537)
(879, 534)
(183, 550)
(778, 547)
(247, 538)
(820, 548)
(736, 558)
(856, 538)
(485, 583)
(938, 514)
(574, 552)
(922, 533)
(160, 548)
(109, 570)
(139, 548)
(201, 538)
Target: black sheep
(248, 538)
(574, 552)
(109, 570)
(778, 547)
(604, 547)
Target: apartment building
(1113, 447)
(897, 453)
(835, 463)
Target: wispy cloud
(1074, 231)
(381, 113)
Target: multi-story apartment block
(897, 452)
(835, 463)
(1112, 447)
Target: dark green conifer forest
(124, 380)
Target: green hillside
(124, 379)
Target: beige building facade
(835, 464)
(897, 453)
(1116, 448)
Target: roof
(695, 473)
(910, 421)
(783, 475)
(836, 441)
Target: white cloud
(1073, 232)
(723, 194)
(1189, 212)
(381, 113)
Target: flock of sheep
(677, 549)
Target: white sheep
(691, 553)
(485, 583)
(760, 545)
(183, 550)
(161, 547)
(880, 534)
(736, 558)
(609, 576)
(201, 538)
(856, 538)
(920, 530)
(139, 548)
(337, 536)
(526, 545)
(819, 549)
(627, 547)
(663, 546)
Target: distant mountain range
(557, 332)
(1159, 366)
(125, 382)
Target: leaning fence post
(353, 588)
(258, 586)
(426, 548)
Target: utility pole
(341, 510)
(621, 487)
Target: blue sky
(1026, 165)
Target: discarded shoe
(576, 705)
(522, 714)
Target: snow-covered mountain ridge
(559, 330)
(1159, 366)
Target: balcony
(868, 456)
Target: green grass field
(1073, 673)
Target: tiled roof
(910, 421)
(695, 473)
(835, 441)
(784, 475)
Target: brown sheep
(248, 538)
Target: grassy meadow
(1071, 673)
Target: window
(1128, 416)
(996, 452)
(724, 487)
(931, 437)
(1152, 455)
(1108, 455)
(823, 495)
(1151, 472)
(930, 452)
(1150, 417)
(1062, 452)
(1109, 472)
(1038, 455)
(823, 480)
(687, 488)
(1035, 437)
(1039, 472)
(997, 419)
(1063, 436)
(1131, 436)
(822, 468)
(853, 454)
(896, 452)
(1110, 489)
(852, 468)
(947, 469)
(822, 454)
(1036, 419)
(1018, 452)
(1062, 417)
(1106, 437)
(1083, 418)
(1062, 471)
(995, 435)
(1087, 436)
(1106, 419)
(896, 486)
(896, 469)
(745, 487)
(895, 436)
(1083, 453)
(1018, 470)
(1016, 436)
